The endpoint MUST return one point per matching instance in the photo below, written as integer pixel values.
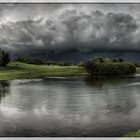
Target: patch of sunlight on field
(17, 70)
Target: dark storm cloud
(69, 26)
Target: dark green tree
(4, 58)
(110, 67)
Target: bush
(110, 68)
(82, 64)
(38, 61)
(30, 60)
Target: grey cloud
(70, 27)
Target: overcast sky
(83, 27)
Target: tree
(4, 58)
(97, 59)
(108, 67)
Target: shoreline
(18, 70)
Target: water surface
(70, 106)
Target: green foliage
(133, 134)
(4, 58)
(107, 67)
(100, 59)
(97, 59)
(38, 61)
(82, 64)
(28, 60)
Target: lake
(78, 106)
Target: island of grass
(18, 70)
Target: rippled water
(70, 106)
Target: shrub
(110, 68)
(82, 64)
(38, 61)
(30, 60)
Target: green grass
(133, 134)
(138, 70)
(17, 70)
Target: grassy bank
(18, 70)
(138, 70)
(133, 134)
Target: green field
(18, 70)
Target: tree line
(38, 61)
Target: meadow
(18, 70)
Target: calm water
(70, 106)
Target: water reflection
(92, 106)
(123, 104)
(99, 81)
(4, 88)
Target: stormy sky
(80, 27)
